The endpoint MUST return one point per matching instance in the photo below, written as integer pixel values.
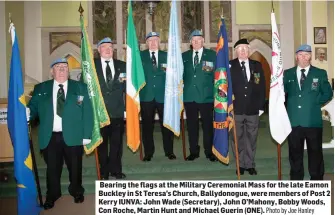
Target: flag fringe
(221, 158)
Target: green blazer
(114, 92)
(304, 106)
(77, 120)
(154, 78)
(199, 81)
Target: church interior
(48, 30)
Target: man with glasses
(249, 92)
(199, 64)
(66, 121)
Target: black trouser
(112, 134)
(296, 141)
(206, 112)
(148, 111)
(54, 155)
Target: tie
(109, 76)
(153, 60)
(60, 100)
(196, 59)
(244, 71)
(302, 78)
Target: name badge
(207, 66)
(315, 84)
(256, 78)
(163, 66)
(80, 100)
(122, 77)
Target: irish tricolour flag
(135, 82)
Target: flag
(223, 98)
(89, 76)
(135, 82)
(173, 100)
(280, 126)
(18, 130)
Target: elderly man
(111, 73)
(249, 91)
(307, 89)
(66, 122)
(198, 78)
(152, 97)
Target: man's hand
(86, 141)
(260, 112)
(28, 114)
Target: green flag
(89, 76)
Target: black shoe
(241, 171)
(119, 175)
(104, 176)
(211, 158)
(252, 171)
(192, 157)
(171, 156)
(147, 158)
(79, 198)
(48, 204)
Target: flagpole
(34, 165)
(183, 134)
(237, 157)
(97, 164)
(278, 145)
(32, 152)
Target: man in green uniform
(111, 73)
(307, 89)
(152, 97)
(66, 122)
(198, 78)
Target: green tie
(60, 100)
(196, 59)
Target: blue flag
(173, 100)
(223, 98)
(18, 130)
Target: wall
(3, 54)
(16, 8)
(68, 17)
(256, 12)
(319, 18)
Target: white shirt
(199, 54)
(156, 55)
(104, 65)
(299, 73)
(247, 68)
(57, 126)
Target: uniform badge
(256, 77)
(315, 83)
(80, 100)
(207, 66)
(163, 66)
(122, 77)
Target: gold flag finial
(81, 9)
